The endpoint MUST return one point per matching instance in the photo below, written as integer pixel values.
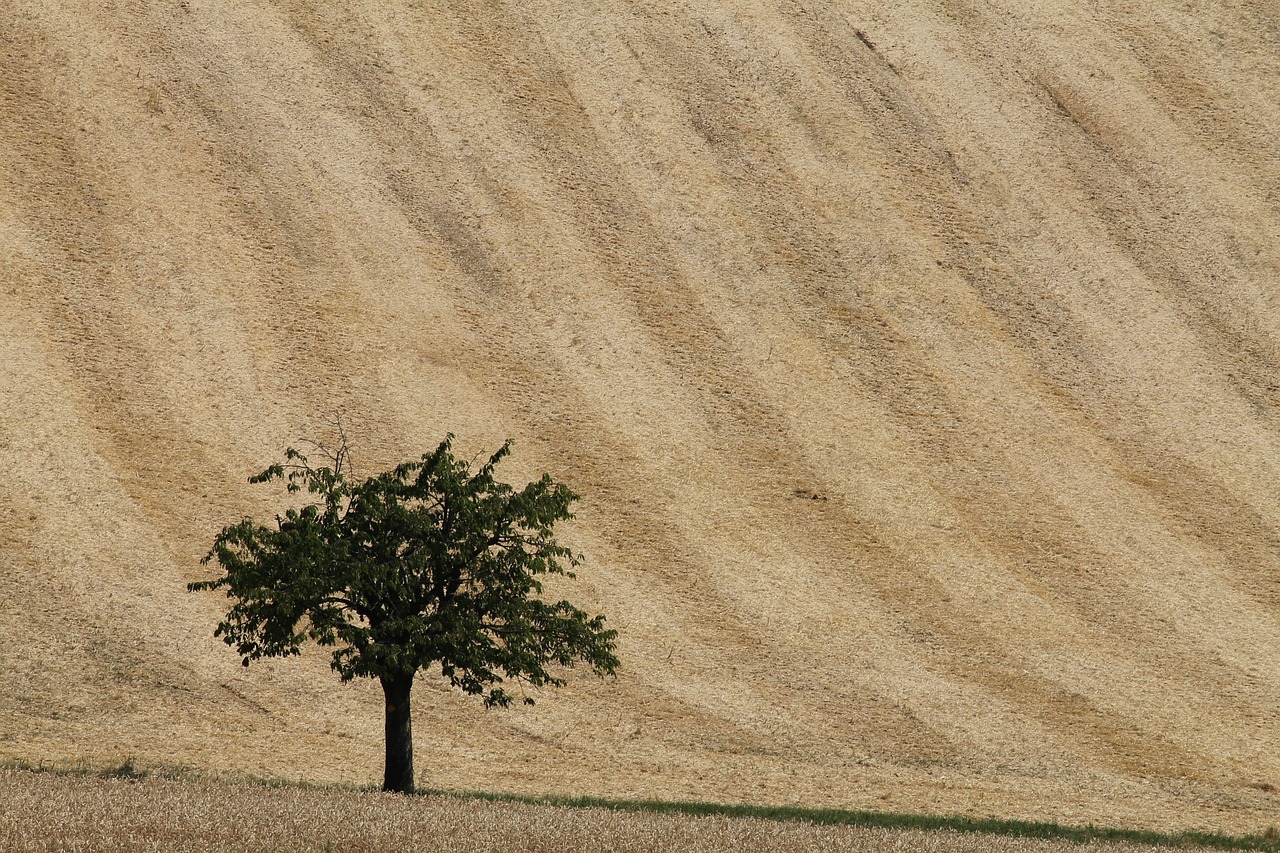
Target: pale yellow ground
(46, 813)
(917, 361)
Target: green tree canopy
(427, 564)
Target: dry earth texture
(50, 813)
(917, 361)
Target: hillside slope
(917, 363)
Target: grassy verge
(824, 817)
(893, 820)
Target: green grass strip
(893, 820)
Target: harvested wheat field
(49, 813)
(918, 363)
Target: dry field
(44, 812)
(918, 362)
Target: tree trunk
(399, 770)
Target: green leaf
(429, 564)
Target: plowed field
(918, 364)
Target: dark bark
(399, 770)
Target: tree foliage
(429, 564)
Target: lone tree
(425, 564)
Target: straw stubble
(47, 812)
